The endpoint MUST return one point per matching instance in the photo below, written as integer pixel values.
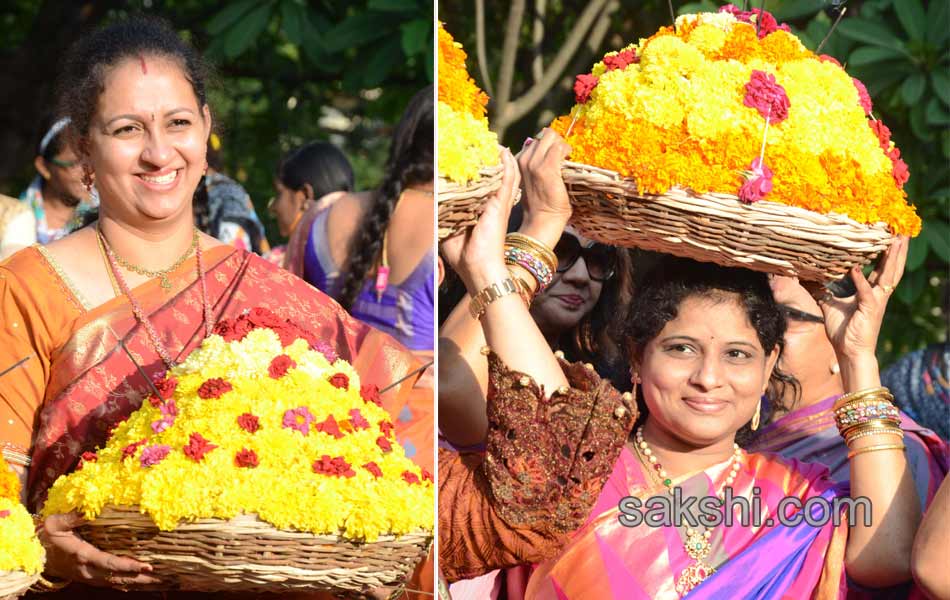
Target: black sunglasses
(601, 260)
(793, 314)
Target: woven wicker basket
(460, 205)
(250, 555)
(764, 236)
(14, 583)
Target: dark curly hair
(672, 280)
(83, 74)
(321, 164)
(410, 162)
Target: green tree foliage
(288, 72)
(898, 48)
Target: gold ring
(887, 289)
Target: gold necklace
(105, 261)
(162, 274)
(697, 544)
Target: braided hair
(410, 162)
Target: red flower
(410, 477)
(166, 387)
(233, 330)
(882, 132)
(330, 427)
(383, 443)
(340, 380)
(246, 458)
(129, 451)
(621, 59)
(426, 475)
(369, 392)
(86, 457)
(333, 466)
(249, 423)
(214, 388)
(765, 95)
(899, 170)
(758, 183)
(386, 427)
(197, 447)
(864, 99)
(4, 514)
(279, 366)
(583, 86)
(374, 469)
(357, 420)
(261, 317)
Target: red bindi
(144, 67)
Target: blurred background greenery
(289, 71)
(525, 55)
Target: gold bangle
(872, 424)
(861, 394)
(874, 431)
(481, 300)
(524, 288)
(45, 586)
(875, 448)
(526, 242)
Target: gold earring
(755, 417)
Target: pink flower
(4, 514)
(357, 420)
(758, 183)
(153, 455)
(583, 86)
(323, 348)
(298, 418)
(162, 424)
(169, 409)
(621, 60)
(765, 95)
(882, 132)
(864, 99)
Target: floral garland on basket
(732, 105)
(468, 159)
(261, 420)
(21, 554)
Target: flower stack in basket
(724, 139)
(21, 555)
(261, 465)
(469, 164)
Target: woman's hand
(547, 206)
(69, 557)
(478, 254)
(853, 323)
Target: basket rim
(761, 207)
(448, 186)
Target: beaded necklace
(162, 274)
(697, 544)
(116, 275)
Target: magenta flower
(168, 409)
(758, 182)
(298, 418)
(764, 94)
(162, 424)
(153, 455)
(326, 350)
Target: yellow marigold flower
(20, 550)
(465, 142)
(289, 438)
(9, 482)
(679, 118)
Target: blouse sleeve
(547, 460)
(25, 349)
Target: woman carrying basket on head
(560, 471)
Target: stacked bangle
(481, 300)
(533, 256)
(865, 413)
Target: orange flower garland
(675, 116)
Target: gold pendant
(692, 576)
(697, 546)
(164, 282)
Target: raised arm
(877, 555)
(463, 370)
(929, 559)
